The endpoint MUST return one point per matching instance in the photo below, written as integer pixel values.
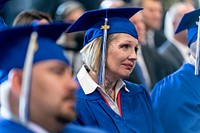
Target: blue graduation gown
(9, 126)
(72, 128)
(137, 111)
(176, 99)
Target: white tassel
(105, 27)
(26, 79)
(197, 50)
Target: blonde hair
(91, 52)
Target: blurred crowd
(161, 52)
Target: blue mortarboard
(190, 22)
(118, 21)
(20, 47)
(14, 43)
(99, 23)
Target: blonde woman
(105, 100)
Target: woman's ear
(16, 80)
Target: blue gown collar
(188, 67)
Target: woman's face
(121, 56)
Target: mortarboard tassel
(196, 72)
(101, 79)
(26, 79)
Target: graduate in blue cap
(104, 99)
(37, 87)
(176, 98)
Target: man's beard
(65, 119)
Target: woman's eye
(125, 46)
(136, 49)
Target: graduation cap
(190, 21)
(99, 23)
(21, 47)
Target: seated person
(37, 88)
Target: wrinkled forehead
(122, 39)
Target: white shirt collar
(7, 114)
(192, 60)
(120, 84)
(89, 85)
(36, 128)
(86, 82)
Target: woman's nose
(133, 55)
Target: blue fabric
(3, 26)
(190, 21)
(72, 128)
(116, 26)
(137, 112)
(14, 43)
(93, 20)
(176, 99)
(8, 126)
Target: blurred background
(155, 28)
(13, 7)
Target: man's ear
(16, 79)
